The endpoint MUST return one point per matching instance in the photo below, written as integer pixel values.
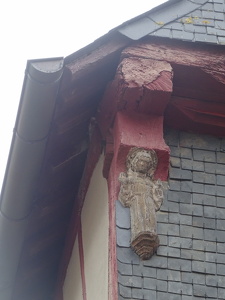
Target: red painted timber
(81, 255)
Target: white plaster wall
(72, 288)
(95, 229)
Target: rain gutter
(37, 104)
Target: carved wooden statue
(144, 196)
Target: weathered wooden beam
(208, 58)
(140, 85)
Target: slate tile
(208, 6)
(162, 217)
(156, 262)
(186, 186)
(163, 240)
(163, 32)
(130, 281)
(187, 289)
(221, 213)
(221, 158)
(198, 245)
(150, 283)
(204, 178)
(149, 294)
(220, 201)
(204, 142)
(214, 168)
(220, 258)
(210, 211)
(175, 25)
(210, 257)
(122, 216)
(174, 185)
(210, 235)
(198, 188)
(198, 278)
(185, 153)
(220, 236)
(179, 264)
(126, 255)
(196, 13)
(123, 237)
(220, 180)
(218, 7)
(174, 275)
(210, 246)
(137, 293)
(221, 293)
(203, 267)
(194, 28)
(220, 25)
(183, 197)
(203, 199)
(161, 285)
(209, 223)
(173, 252)
(183, 35)
(199, 290)
(175, 218)
(203, 155)
(220, 247)
(211, 190)
(221, 224)
(162, 251)
(174, 287)
(162, 274)
(221, 269)
(220, 281)
(176, 173)
(175, 162)
(186, 297)
(124, 269)
(211, 280)
(174, 151)
(212, 15)
(221, 40)
(140, 270)
(149, 272)
(215, 31)
(125, 291)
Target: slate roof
(188, 20)
(190, 261)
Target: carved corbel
(143, 195)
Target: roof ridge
(157, 19)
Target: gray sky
(47, 28)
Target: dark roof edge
(40, 88)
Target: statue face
(142, 162)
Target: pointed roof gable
(188, 20)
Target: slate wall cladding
(190, 261)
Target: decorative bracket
(144, 196)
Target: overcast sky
(47, 28)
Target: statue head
(142, 161)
